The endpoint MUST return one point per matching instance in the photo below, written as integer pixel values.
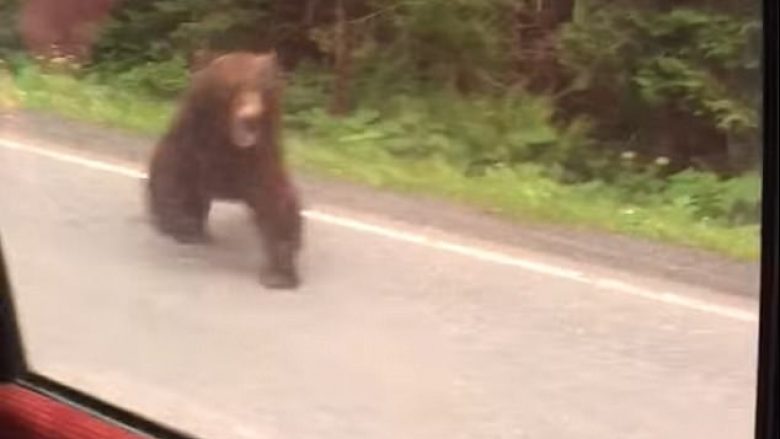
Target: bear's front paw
(191, 237)
(279, 280)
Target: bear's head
(248, 87)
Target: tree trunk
(536, 25)
(342, 62)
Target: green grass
(523, 193)
(9, 93)
(82, 100)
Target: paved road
(394, 334)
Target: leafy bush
(306, 89)
(457, 42)
(144, 31)
(472, 134)
(734, 201)
(638, 70)
(9, 40)
(165, 78)
(701, 54)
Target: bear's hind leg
(280, 232)
(191, 223)
(178, 207)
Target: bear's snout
(247, 114)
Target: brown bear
(224, 144)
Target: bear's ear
(269, 58)
(201, 58)
(273, 73)
(272, 55)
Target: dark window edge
(97, 407)
(12, 357)
(14, 370)
(767, 409)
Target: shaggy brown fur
(224, 144)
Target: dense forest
(659, 98)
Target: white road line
(426, 241)
(77, 160)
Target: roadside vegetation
(623, 115)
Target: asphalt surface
(389, 336)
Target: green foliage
(144, 31)
(527, 192)
(307, 89)
(9, 40)
(696, 57)
(147, 43)
(634, 63)
(9, 95)
(87, 100)
(735, 201)
(440, 104)
(455, 43)
(165, 79)
(452, 41)
(473, 135)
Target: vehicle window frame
(15, 370)
(767, 419)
